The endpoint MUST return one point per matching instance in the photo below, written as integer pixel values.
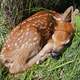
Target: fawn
(33, 39)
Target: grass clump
(4, 29)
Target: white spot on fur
(35, 32)
(15, 28)
(19, 39)
(35, 38)
(28, 29)
(8, 46)
(31, 44)
(29, 40)
(15, 44)
(21, 30)
(37, 41)
(23, 22)
(26, 43)
(34, 43)
(50, 24)
(29, 19)
(34, 24)
(23, 46)
(27, 33)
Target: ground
(67, 67)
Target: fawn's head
(63, 30)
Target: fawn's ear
(67, 15)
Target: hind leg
(21, 60)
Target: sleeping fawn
(33, 39)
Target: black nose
(55, 55)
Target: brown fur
(32, 39)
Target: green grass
(67, 67)
(4, 29)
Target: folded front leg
(40, 56)
(43, 58)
